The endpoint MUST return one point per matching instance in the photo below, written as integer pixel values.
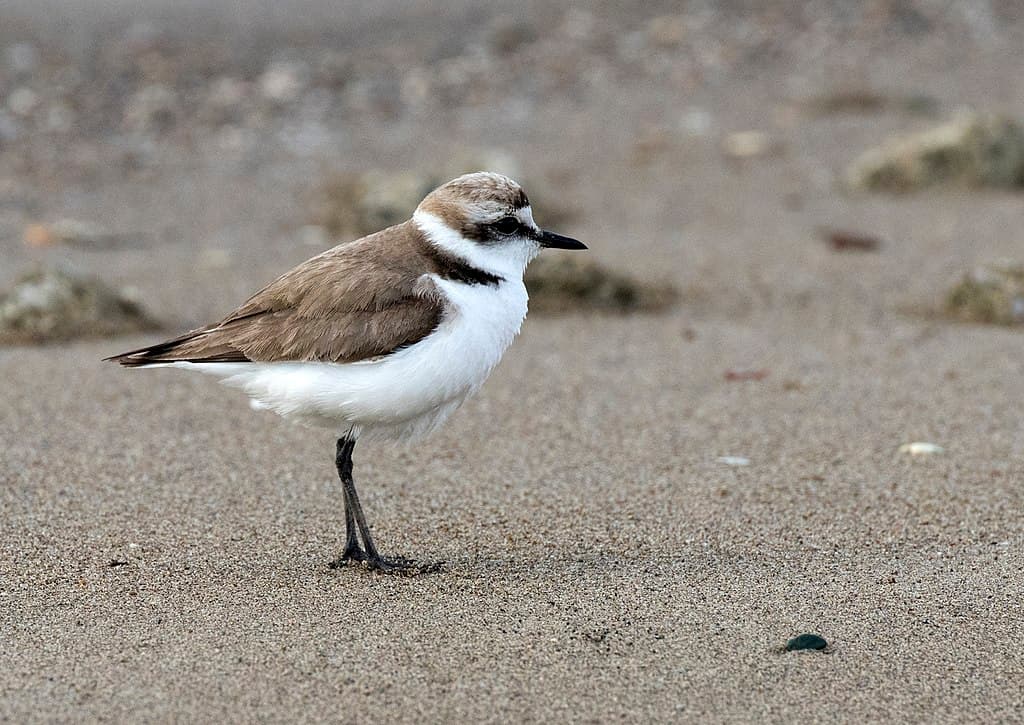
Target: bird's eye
(507, 225)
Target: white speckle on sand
(920, 448)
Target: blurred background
(190, 151)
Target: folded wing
(355, 302)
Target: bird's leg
(352, 550)
(354, 515)
(343, 462)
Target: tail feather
(177, 350)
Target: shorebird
(383, 337)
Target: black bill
(557, 241)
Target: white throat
(507, 260)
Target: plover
(383, 337)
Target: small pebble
(747, 144)
(806, 641)
(734, 460)
(697, 122)
(22, 58)
(39, 235)
(845, 241)
(283, 81)
(667, 31)
(735, 376)
(22, 102)
(920, 448)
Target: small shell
(920, 449)
(734, 460)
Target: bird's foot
(352, 555)
(400, 566)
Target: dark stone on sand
(806, 641)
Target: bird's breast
(480, 323)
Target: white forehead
(525, 216)
(488, 212)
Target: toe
(401, 566)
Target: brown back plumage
(356, 301)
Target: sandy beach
(164, 549)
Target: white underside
(402, 396)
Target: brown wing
(356, 301)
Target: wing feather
(356, 301)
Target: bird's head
(486, 219)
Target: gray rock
(573, 282)
(992, 294)
(972, 149)
(54, 305)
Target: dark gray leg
(354, 518)
(343, 461)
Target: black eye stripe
(507, 225)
